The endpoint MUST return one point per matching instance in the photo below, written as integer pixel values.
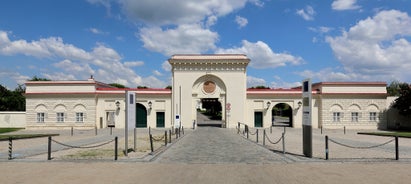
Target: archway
(141, 116)
(282, 115)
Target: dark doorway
(210, 113)
(141, 116)
(160, 119)
(258, 119)
(282, 115)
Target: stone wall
(13, 119)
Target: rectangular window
(373, 116)
(40, 117)
(60, 117)
(336, 116)
(354, 116)
(79, 117)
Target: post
(396, 148)
(151, 143)
(326, 147)
(344, 130)
(264, 137)
(321, 129)
(10, 148)
(95, 129)
(115, 148)
(165, 138)
(149, 130)
(72, 131)
(176, 133)
(283, 140)
(135, 139)
(256, 135)
(246, 130)
(49, 149)
(182, 129)
(111, 130)
(271, 129)
(169, 136)
(238, 128)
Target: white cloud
(377, 46)
(279, 83)
(77, 68)
(241, 21)
(262, 56)
(254, 81)
(166, 66)
(321, 29)
(307, 13)
(211, 20)
(9, 78)
(157, 73)
(185, 39)
(97, 31)
(133, 63)
(345, 5)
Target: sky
(130, 41)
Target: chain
(361, 147)
(272, 141)
(83, 147)
(252, 133)
(160, 139)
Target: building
(213, 82)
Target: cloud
(320, 29)
(97, 31)
(75, 63)
(344, 5)
(8, 76)
(307, 13)
(279, 83)
(241, 21)
(157, 73)
(254, 81)
(166, 66)
(262, 56)
(185, 39)
(133, 63)
(376, 46)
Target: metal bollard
(151, 143)
(344, 130)
(115, 148)
(176, 133)
(10, 148)
(72, 131)
(321, 129)
(135, 139)
(246, 130)
(95, 130)
(256, 135)
(396, 148)
(238, 128)
(283, 139)
(182, 129)
(169, 136)
(49, 149)
(165, 138)
(326, 147)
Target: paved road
(217, 145)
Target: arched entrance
(141, 116)
(209, 101)
(282, 115)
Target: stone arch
(354, 107)
(40, 108)
(336, 108)
(373, 108)
(79, 108)
(60, 108)
(282, 114)
(200, 89)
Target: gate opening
(209, 113)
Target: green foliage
(403, 102)
(35, 78)
(12, 100)
(394, 88)
(260, 87)
(142, 87)
(117, 85)
(169, 87)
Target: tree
(403, 102)
(117, 85)
(12, 100)
(394, 88)
(260, 87)
(169, 87)
(35, 78)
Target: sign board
(177, 121)
(307, 129)
(130, 109)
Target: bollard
(149, 130)
(256, 134)
(396, 148)
(246, 130)
(321, 129)
(115, 148)
(95, 130)
(165, 138)
(135, 139)
(283, 139)
(49, 149)
(10, 148)
(284, 129)
(264, 137)
(72, 131)
(111, 130)
(326, 147)
(169, 136)
(238, 128)
(176, 133)
(344, 130)
(271, 129)
(182, 129)
(151, 143)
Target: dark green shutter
(258, 119)
(160, 119)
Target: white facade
(89, 104)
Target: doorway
(282, 115)
(141, 116)
(209, 113)
(258, 119)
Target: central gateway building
(213, 82)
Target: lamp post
(268, 104)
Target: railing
(166, 137)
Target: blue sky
(129, 41)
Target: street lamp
(150, 104)
(118, 105)
(268, 104)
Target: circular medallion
(209, 87)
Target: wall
(13, 119)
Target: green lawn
(390, 134)
(5, 130)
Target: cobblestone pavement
(217, 145)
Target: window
(373, 116)
(40, 117)
(354, 116)
(60, 117)
(336, 116)
(79, 117)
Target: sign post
(130, 116)
(307, 128)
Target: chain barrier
(272, 141)
(159, 139)
(83, 147)
(361, 147)
(253, 133)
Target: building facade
(198, 80)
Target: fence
(246, 132)
(327, 150)
(166, 137)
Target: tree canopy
(117, 85)
(35, 78)
(12, 100)
(403, 102)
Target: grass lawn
(389, 134)
(20, 136)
